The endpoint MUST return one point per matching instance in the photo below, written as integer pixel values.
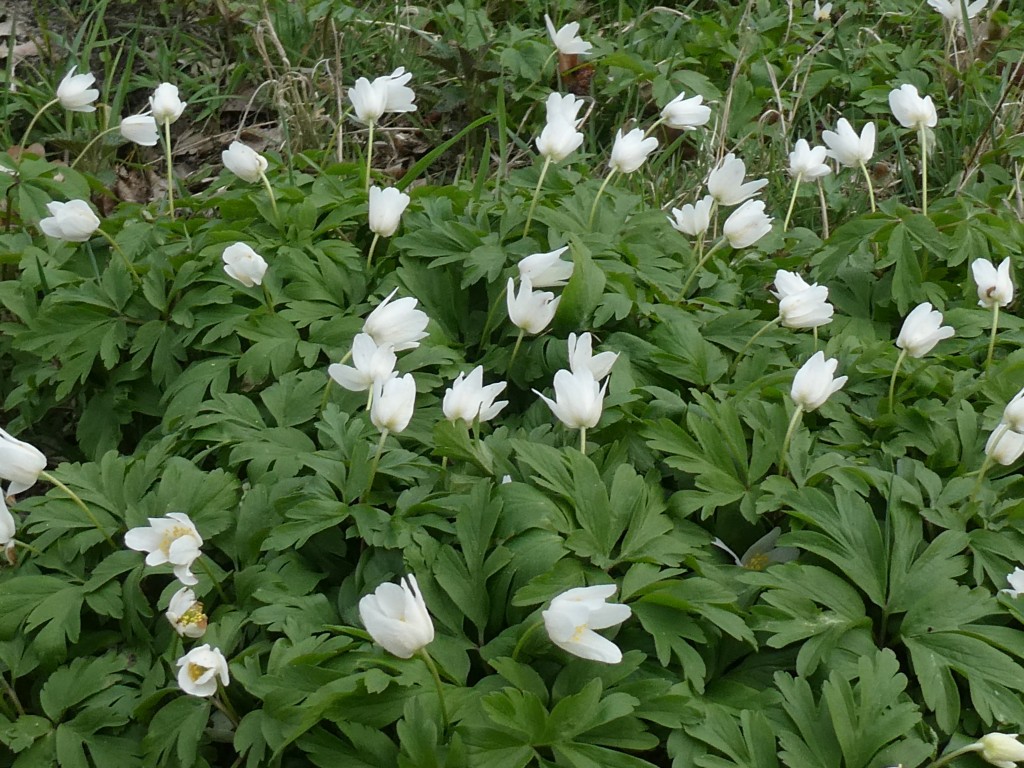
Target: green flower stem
(536, 193)
(13, 696)
(270, 194)
(369, 157)
(376, 461)
(793, 422)
(75, 498)
(213, 579)
(792, 201)
(824, 211)
(815, 331)
(224, 705)
(32, 123)
(1001, 431)
(484, 335)
(953, 755)
(583, 440)
(515, 349)
(422, 653)
(760, 332)
(992, 337)
(892, 381)
(593, 208)
(267, 297)
(373, 246)
(113, 244)
(87, 147)
(871, 188)
(654, 125)
(923, 141)
(170, 167)
(700, 263)
(524, 637)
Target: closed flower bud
(393, 403)
(546, 270)
(579, 399)
(1000, 749)
(685, 114)
(1013, 414)
(185, 614)
(807, 163)
(20, 463)
(1004, 445)
(387, 93)
(630, 150)
(806, 309)
(747, 224)
(910, 109)
(243, 264)
(693, 220)
(922, 330)
(170, 539)
(166, 105)
(995, 286)
(72, 222)
(566, 39)
(386, 209)
(560, 138)
(199, 670)
(140, 129)
(815, 382)
(847, 147)
(396, 618)
(530, 310)
(725, 182)
(573, 616)
(397, 323)
(74, 93)
(468, 399)
(370, 364)
(582, 358)
(244, 161)
(788, 283)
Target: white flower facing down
(530, 310)
(140, 129)
(806, 309)
(579, 399)
(1016, 582)
(1004, 445)
(815, 382)
(386, 209)
(74, 93)
(244, 265)
(468, 399)
(1000, 749)
(20, 463)
(747, 224)
(922, 330)
(72, 222)
(244, 161)
(566, 38)
(546, 270)
(199, 670)
(387, 93)
(582, 358)
(808, 163)
(185, 614)
(693, 220)
(631, 150)
(165, 104)
(953, 12)
(1013, 413)
(171, 539)
(560, 136)
(725, 182)
(995, 286)
(394, 401)
(397, 323)
(910, 110)
(847, 147)
(686, 114)
(371, 364)
(397, 618)
(573, 616)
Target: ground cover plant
(488, 384)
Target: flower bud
(74, 92)
(747, 224)
(386, 209)
(166, 105)
(72, 222)
(922, 330)
(814, 383)
(396, 617)
(630, 150)
(244, 264)
(20, 463)
(140, 129)
(244, 161)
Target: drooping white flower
(1004, 445)
(560, 136)
(140, 129)
(20, 463)
(567, 39)
(171, 539)
(1013, 413)
(815, 382)
(1002, 750)
(1016, 582)
(847, 147)
(579, 399)
(806, 309)
(386, 209)
(244, 265)
(922, 330)
(199, 669)
(995, 286)
(165, 104)
(725, 182)
(397, 323)
(468, 399)
(530, 310)
(582, 358)
(806, 163)
(686, 114)
(74, 93)
(693, 220)
(546, 270)
(387, 93)
(185, 614)
(573, 616)
(370, 364)
(396, 617)
(631, 150)
(747, 224)
(72, 222)
(394, 402)
(910, 110)
(244, 161)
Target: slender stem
(523, 638)
(373, 246)
(113, 244)
(170, 167)
(760, 332)
(87, 147)
(793, 422)
(369, 157)
(600, 191)
(824, 211)
(267, 297)
(32, 123)
(952, 755)
(654, 125)
(515, 349)
(13, 696)
(871, 188)
(696, 269)
(992, 337)
(490, 315)
(270, 194)
(422, 653)
(75, 498)
(1000, 433)
(792, 200)
(213, 579)
(583, 440)
(815, 331)
(224, 705)
(536, 193)
(376, 461)
(923, 141)
(892, 381)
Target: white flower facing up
(387, 93)
(566, 38)
(1004, 445)
(573, 616)
(806, 309)
(531, 311)
(1003, 750)
(72, 222)
(725, 182)
(140, 129)
(995, 286)
(394, 401)
(560, 136)
(693, 219)
(185, 614)
(386, 209)
(199, 670)
(244, 265)
(546, 270)
(74, 93)
(922, 330)
(582, 357)
(822, 12)
(808, 163)
(397, 323)
(397, 618)
(171, 539)
(371, 364)
(244, 161)
(686, 114)
(579, 399)
(20, 463)
(747, 224)
(165, 104)
(953, 12)
(468, 399)
(631, 150)
(1016, 582)
(848, 148)
(815, 382)
(910, 110)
